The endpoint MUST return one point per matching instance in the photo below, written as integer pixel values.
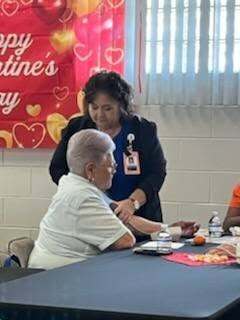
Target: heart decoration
(33, 110)
(114, 55)
(67, 16)
(26, 2)
(115, 3)
(61, 93)
(82, 52)
(55, 124)
(63, 40)
(7, 138)
(49, 11)
(28, 136)
(10, 7)
(83, 7)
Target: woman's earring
(91, 179)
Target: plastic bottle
(215, 226)
(164, 239)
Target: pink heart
(61, 93)
(9, 8)
(81, 52)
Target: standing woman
(141, 166)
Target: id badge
(131, 163)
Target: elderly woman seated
(79, 223)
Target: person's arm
(98, 226)
(232, 218)
(58, 166)
(125, 242)
(233, 213)
(142, 226)
(155, 165)
(126, 209)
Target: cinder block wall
(25, 192)
(202, 147)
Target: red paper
(183, 257)
(47, 52)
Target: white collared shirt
(78, 225)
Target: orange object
(235, 201)
(199, 240)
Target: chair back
(21, 248)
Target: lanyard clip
(130, 139)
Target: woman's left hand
(188, 228)
(125, 209)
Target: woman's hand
(125, 209)
(188, 228)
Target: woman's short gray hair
(86, 146)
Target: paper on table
(152, 245)
(223, 240)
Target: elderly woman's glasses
(112, 165)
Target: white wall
(202, 147)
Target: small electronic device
(152, 252)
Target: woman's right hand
(124, 210)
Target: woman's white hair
(86, 146)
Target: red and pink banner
(48, 50)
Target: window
(188, 53)
(179, 12)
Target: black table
(121, 285)
(9, 274)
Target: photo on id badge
(131, 163)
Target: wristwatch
(136, 203)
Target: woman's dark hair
(112, 84)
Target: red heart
(61, 93)
(49, 11)
(29, 136)
(114, 55)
